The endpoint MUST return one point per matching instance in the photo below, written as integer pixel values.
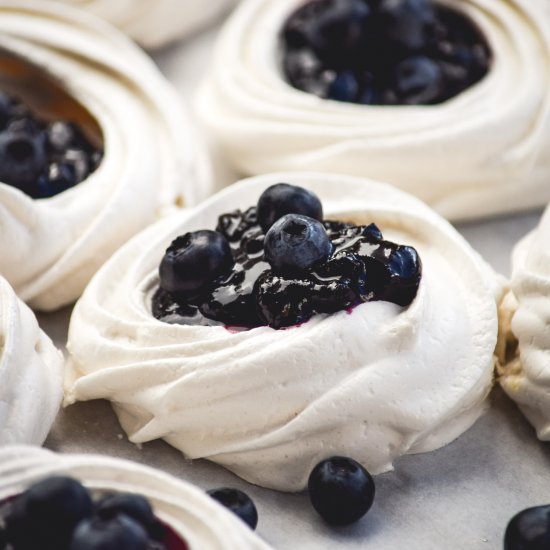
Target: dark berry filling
(58, 512)
(383, 52)
(299, 268)
(42, 158)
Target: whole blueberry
(281, 199)
(529, 530)
(238, 502)
(60, 135)
(134, 506)
(419, 80)
(406, 23)
(337, 30)
(341, 490)
(295, 243)
(22, 158)
(344, 87)
(45, 515)
(118, 533)
(193, 261)
(404, 262)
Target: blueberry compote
(42, 158)
(383, 52)
(60, 513)
(244, 276)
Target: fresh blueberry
(6, 103)
(118, 533)
(60, 135)
(344, 87)
(529, 530)
(404, 263)
(45, 515)
(281, 199)
(134, 506)
(406, 23)
(419, 80)
(295, 243)
(373, 232)
(79, 161)
(341, 490)
(338, 29)
(22, 158)
(193, 261)
(238, 502)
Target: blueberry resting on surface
(118, 533)
(238, 502)
(281, 199)
(295, 243)
(193, 261)
(341, 490)
(45, 515)
(134, 506)
(529, 530)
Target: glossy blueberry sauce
(362, 267)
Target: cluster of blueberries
(58, 513)
(42, 158)
(278, 264)
(382, 52)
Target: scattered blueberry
(45, 515)
(295, 243)
(529, 530)
(238, 502)
(281, 199)
(193, 261)
(382, 52)
(134, 506)
(341, 490)
(118, 533)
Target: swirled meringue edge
(155, 24)
(524, 373)
(374, 384)
(481, 153)
(152, 163)
(31, 371)
(196, 517)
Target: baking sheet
(457, 498)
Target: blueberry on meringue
(193, 261)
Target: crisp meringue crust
(195, 516)
(31, 371)
(525, 375)
(150, 160)
(154, 23)
(373, 384)
(483, 152)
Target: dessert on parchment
(358, 324)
